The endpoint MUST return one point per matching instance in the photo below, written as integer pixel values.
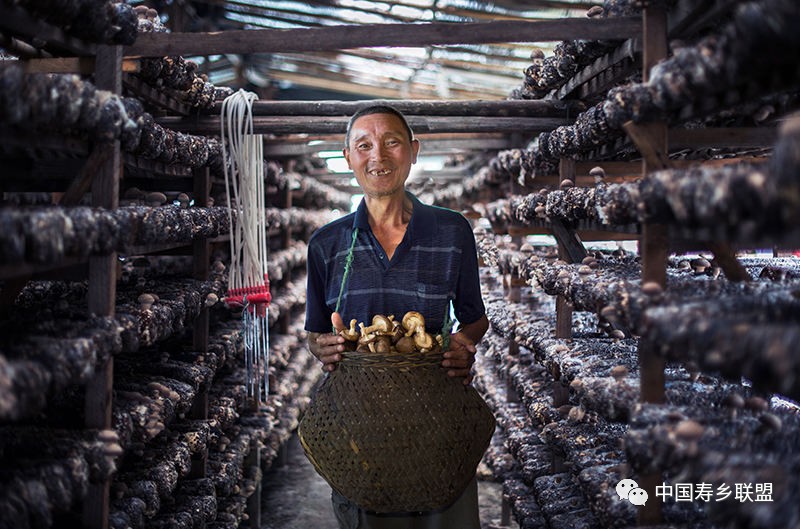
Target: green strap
(348, 262)
(447, 326)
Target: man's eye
(392, 143)
(362, 146)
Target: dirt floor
(294, 496)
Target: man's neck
(389, 212)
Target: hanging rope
(248, 280)
(348, 264)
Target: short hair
(377, 109)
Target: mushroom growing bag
(393, 433)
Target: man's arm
(458, 359)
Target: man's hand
(458, 359)
(329, 346)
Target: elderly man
(405, 256)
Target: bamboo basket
(393, 433)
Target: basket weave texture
(393, 433)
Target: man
(405, 256)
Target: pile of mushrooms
(387, 335)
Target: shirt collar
(422, 225)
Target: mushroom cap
(597, 172)
(689, 430)
(350, 334)
(405, 344)
(146, 299)
(156, 197)
(412, 321)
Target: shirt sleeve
(318, 314)
(468, 303)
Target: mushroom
(155, 199)
(598, 173)
(146, 301)
(350, 334)
(423, 340)
(412, 322)
(381, 345)
(211, 299)
(619, 372)
(405, 344)
(183, 200)
(380, 324)
(566, 183)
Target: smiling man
(405, 256)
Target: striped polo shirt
(435, 263)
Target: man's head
(380, 149)
(376, 109)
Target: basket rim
(393, 359)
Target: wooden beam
(720, 138)
(367, 36)
(428, 107)
(210, 125)
(651, 142)
(726, 258)
(78, 65)
(103, 288)
(81, 184)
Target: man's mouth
(380, 172)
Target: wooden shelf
(158, 98)
(605, 72)
(17, 22)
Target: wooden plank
(366, 36)
(77, 65)
(479, 107)
(720, 138)
(208, 125)
(566, 237)
(283, 149)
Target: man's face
(380, 154)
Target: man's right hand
(328, 347)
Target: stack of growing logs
(570, 422)
(185, 447)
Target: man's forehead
(363, 124)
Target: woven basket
(393, 433)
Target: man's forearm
(475, 330)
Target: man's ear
(346, 153)
(415, 149)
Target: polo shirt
(435, 264)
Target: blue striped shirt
(435, 263)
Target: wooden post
(200, 263)
(654, 245)
(103, 287)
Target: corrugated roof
(434, 72)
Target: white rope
(244, 181)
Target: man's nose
(378, 153)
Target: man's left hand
(458, 359)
